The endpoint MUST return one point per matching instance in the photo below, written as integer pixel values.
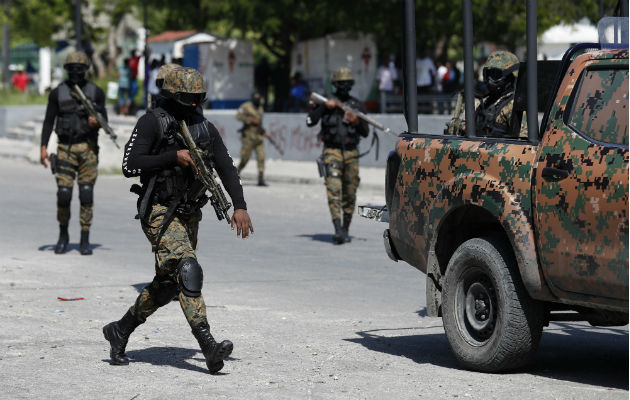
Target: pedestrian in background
(134, 63)
(20, 79)
(124, 99)
(425, 70)
(387, 74)
(151, 85)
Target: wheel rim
(476, 306)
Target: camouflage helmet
(77, 57)
(163, 71)
(342, 74)
(503, 60)
(184, 85)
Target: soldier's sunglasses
(494, 74)
(188, 99)
(76, 68)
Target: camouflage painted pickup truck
(512, 234)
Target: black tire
(490, 321)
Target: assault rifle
(89, 107)
(318, 98)
(206, 175)
(454, 126)
(262, 131)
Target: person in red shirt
(20, 79)
(134, 62)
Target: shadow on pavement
(567, 352)
(169, 356)
(71, 247)
(584, 354)
(327, 237)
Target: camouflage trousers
(252, 141)
(78, 159)
(342, 181)
(179, 241)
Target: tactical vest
(72, 120)
(486, 116)
(337, 132)
(176, 187)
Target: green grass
(13, 97)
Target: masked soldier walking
(169, 209)
(77, 152)
(340, 132)
(253, 134)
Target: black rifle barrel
(469, 78)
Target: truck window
(600, 105)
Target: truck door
(581, 182)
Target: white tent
(555, 41)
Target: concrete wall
(298, 142)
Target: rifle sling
(144, 204)
(168, 218)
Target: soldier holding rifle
(77, 152)
(251, 114)
(340, 131)
(174, 150)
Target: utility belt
(326, 170)
(163, 189)
(75, 139)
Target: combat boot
(214, 352)
(62, 243)
(346, 226)
(261, 180)
(338, 237)
(117, 333)
(84, 246)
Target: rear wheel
(490, 321)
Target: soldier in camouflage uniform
(340, 132)
(77, 151)
(169, 209)
(493, 115)
(253, 134)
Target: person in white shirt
(425, 72)
(386, 77)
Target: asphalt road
(308, 319)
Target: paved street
(309, 320)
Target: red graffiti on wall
(298, 138)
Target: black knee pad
(86, 194)
(190, 277)
(162, 291)
(64, 196)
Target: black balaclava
(342, 89)
(178, 110)
(256, 99)
(76, 73)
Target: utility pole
(6, 43)
(77, 12)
